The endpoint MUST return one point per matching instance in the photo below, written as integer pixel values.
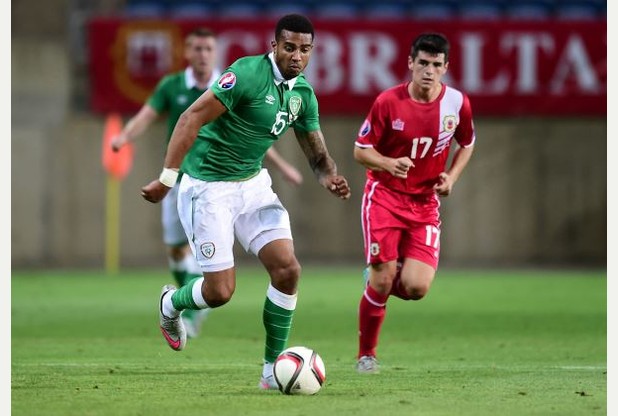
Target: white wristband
(168, 177)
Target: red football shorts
(398, 225)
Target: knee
(218, 295)
(176, 253)
(382, 279)
(416, 292)
(382, 283)
(285, 276)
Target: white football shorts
(215, 213)
(173, 233)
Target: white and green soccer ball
(299, 370)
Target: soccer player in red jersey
(404, 143)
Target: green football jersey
(174, 96)
(260, 110)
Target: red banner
(507, 68)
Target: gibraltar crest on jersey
(449, 123)
(227, 81)
(295, 103)
(365, 128)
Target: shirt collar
(191, 82)
(277, 74)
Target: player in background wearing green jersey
(173, 95)
(226, 195)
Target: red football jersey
(398, 126)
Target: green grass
(481, 343)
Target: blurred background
(534, 193)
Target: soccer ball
(299, 370)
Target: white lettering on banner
(149, 52)
(574, 59)
(326, 71)
(371, 55)
(247, 41)
(527, 45)
(472, 68)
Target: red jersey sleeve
(372, 128)
(464, 134)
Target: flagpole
(117, 164)
(112, 226)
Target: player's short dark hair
(432, 43)
(294, 23)
(201, 32)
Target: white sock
(176, 266)
(167, 306)
(191, 265)
(267, 370)
(282, 300)
(187, 264)
(196, 293)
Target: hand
(118, 142)
(444, 185)
(399, 167)
(337, 185)
(155, 191)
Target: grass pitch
(481, 343)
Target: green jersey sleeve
(232, 86)
(309, 119)
(159, 99)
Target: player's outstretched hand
(155, 191)
(444, 185)
(337, 185)
(118, 142)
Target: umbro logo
(270, 99)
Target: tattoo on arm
(314, 148)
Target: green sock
(277, 322)
(183, 297)
(181, 277)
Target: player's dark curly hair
(294, 23)
(432, 43)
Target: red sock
(371, 312)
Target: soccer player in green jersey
(173, 95)
(225, 194)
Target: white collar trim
(277, 74)
(191, 82)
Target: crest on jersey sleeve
(295, 103)
(227, 81)
(365, 128)
(449, 123)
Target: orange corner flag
(117, 164)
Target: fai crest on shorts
(374, 249)
(295, 104)
(208, 249)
